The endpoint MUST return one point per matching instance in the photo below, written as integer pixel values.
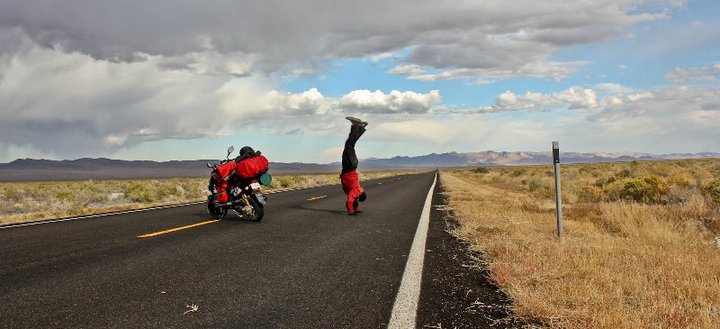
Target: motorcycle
(229, 191)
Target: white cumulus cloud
(574, 98)
(393, 102)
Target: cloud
(677, 119)
(393, 102)
(612, 88)
(574, 98)
(613, 117)
(609, 101)
(661, 121)
(382, 56)
(542, 70)
(310, 102)
(477, 37)
(679, 103)
(412, 71)
(70, 104)
(703, 74)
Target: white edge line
(48, 221)
(404, 310)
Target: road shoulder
(456, 289)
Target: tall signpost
(558, 198)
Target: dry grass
(38, 200)
(639, 248)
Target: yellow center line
(317, 198)
(149, 235)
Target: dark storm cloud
(447, 34)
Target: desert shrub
(534, 185)
(165, 190)
(712, 190)
(13, 195)
(480, 170)
(137, 192)
(684, 163)
(65, 196)
(539, 187)
(625, 173)
(90, 192)
(284, 182)
(681, 179)
(648, 189)
(30, 193)
(143, 197)
(196, 189)
(590, 193)
(93, 197)
(600, 182)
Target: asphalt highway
(305, 265)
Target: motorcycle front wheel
(216, 212)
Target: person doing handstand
(349, 175)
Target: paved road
(306, 265)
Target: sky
(185, 79)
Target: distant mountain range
(493, 158)
(101, 168)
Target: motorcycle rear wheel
(258, 210)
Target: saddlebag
(223, 174)
(252, 168)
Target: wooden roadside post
(558, 196)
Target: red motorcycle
(237, 186)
